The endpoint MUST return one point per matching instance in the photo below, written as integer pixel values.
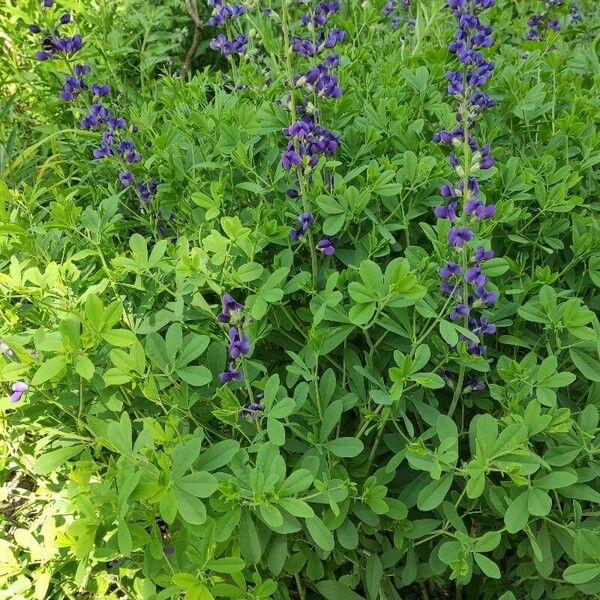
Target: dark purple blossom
(327, 245)
(126, 178)
(239, 345)
(100, 90)
(305, 219)
(231, 307)
(231, 374)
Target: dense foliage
(299, 299)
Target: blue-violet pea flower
(327, 245)
(231, 374)
(305, 220)
(239, 344)
(18, 389)
(231, 307)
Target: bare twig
(192, 10)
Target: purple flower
(485, 296)
(461, 310)
(289, 159)
(449, 270)
(5, 349)
(88, 122)
(81, 70)
(100, 90)
(482, 254)
(251, 411)
(458, 236)
(103, 152)
(231, 374)
(18, 389)
(327, 245)
(230, 306)
(126, 178)
(446, 212)
(239, 344)
(447, 191)
(475, 276)
(33, 28)
(47, 3)
(305, 219)
(66, 18)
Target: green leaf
(52, 460)
(361, 314)
(298, 481)
(345, 447)
(249, 542)
(322, 536)
(229, 564)
(196, 376)
(539, 502)
(433, 494)
(588, 366)
(84, 367)
(489, 567)
(448, 333)
(201, 484)
(553, 481)
(122, 338)
(271, 515)
(517, 515)
(120, 434)
(582, 573)
(334, 590)
(189, 507)
(297, 507)
(48, 370)
(373, 576)
(124, 539)
(217, 455)
(488, 541)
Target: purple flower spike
(18, 389)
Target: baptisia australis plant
(463, 278)
(308, 138)
(115, 138)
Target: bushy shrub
(300, 300)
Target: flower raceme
(463, 277)
(308, 138)
(99, 117)
(239, 343)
